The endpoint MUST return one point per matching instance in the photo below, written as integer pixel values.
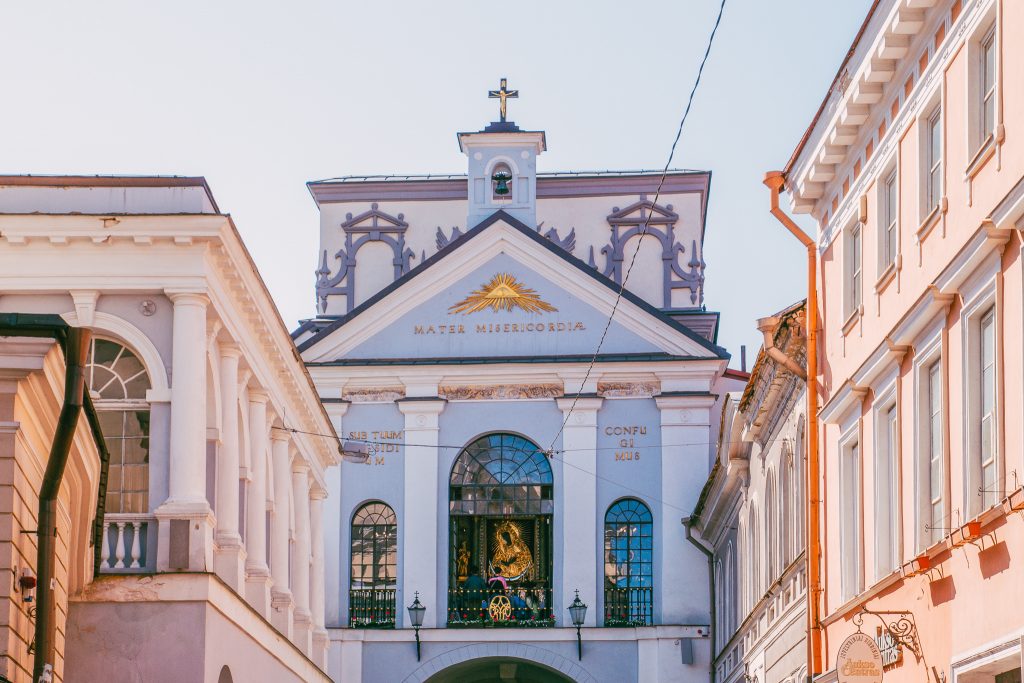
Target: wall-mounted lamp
(27, 584)
(578, 612)
(416, 612)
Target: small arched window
(118, 383)
(628, 565)
(374, 566)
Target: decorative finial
(503, 93)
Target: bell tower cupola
(502, 166)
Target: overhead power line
(643, 231)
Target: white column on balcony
(685, 432)
(420, 538)
(303, 629)
(185, 536)
(316, 582)
(257, 573)
(281, 594)
(229, 560)
(579, 507)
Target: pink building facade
(913, 170)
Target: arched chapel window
(628, 564)
(374, 574)
(500, 533)
(118, 384)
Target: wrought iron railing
(628, 606)
(515, 607)
(371, 608)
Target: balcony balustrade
(628, 607)
(371, 608)
(125, 543)
(487, 608)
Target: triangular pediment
(374, 220)
(641, 212)
(501, 291)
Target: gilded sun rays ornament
(503, 293)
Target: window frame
(888, 220)
(851, 505)
(930, 447)
(853, 271)
(933, 185)
(887, 517)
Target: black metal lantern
(578, 612)
(416, 612)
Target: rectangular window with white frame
(889, 214)
(985, 422)
(886, 490)
(933, 161)
(851, 550)
(987, 86)
(931, 469)
(854, 271)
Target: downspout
(775, 181)
(76, 349)
(688, 523)
(767, 327)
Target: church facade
(501, 468)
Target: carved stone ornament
(630, 389)
(500, 392)
(373, 394)
(371, 226)
(646, 218)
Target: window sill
(852, 321)
(985, 152)
(888, 275)
(931, 220)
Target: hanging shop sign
(892, 653)
(859, 660)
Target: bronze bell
(501, 179)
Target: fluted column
(303, 629)
(280, 593)
(257, 573)
(185, 521)
(229, 559)
(316, 583)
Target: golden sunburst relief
(503, 293)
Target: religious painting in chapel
(501, 504)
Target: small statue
(462, 562)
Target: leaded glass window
(374, 547)
(501, 474)
(629, 563)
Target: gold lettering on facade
(502, 328)
(378, 443)
(628, 443)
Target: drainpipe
(767, 327)
(775, 181)
(76, 349)
(688, 523)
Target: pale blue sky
(261, 97)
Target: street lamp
(416, 611)
(578, 612)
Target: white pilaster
(303, 628)
(332, 524)
(257, 573)
(420, 539)
(185, 520)
(316, 582)
(229, 558)
(685, 433)
(579, 509)
(280, 594)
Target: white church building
(510, 468)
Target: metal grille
(501, 474)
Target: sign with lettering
(631, 440)
(379, 442)
(859, 660)
(892, 653)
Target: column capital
(317, 492)
(300, 466)
(258, 395)
(280, 434)
(421, 405)
(187, 297)
(584, 404)
(335, 407)
(229, 349)
(685, 408)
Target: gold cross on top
(503, 93)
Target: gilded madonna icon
(512, 558)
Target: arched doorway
(498, 670)
(500, 506)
